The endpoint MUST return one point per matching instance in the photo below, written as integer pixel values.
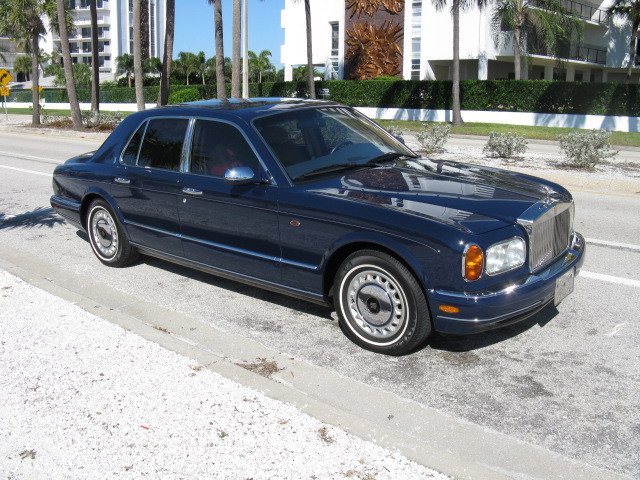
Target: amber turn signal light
(449, 308)
(473, 262)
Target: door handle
(124, 181)
(191, 191)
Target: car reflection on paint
(312, 199)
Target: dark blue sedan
(312, 199)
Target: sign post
(5, 78)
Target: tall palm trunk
(632, 49)
(35, 79)
(516, 52)
(163, 94)
(235, 66)
(95, 62)
(310, 79)
(457, 116)
(221, 89)
(76, 117)
(137, 54)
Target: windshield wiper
(331, 168)
(375, 161)
(386, 157)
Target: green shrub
(182, 96)
(505, 145)
(433, 137)
(586, 149)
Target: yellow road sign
(4, 91)
(5, 77)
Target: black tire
(380, 304)
(106, 236)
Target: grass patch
(538, 133)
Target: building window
(334, 70)
(415, 69)
(131, 40)
(417, 12)
(86, 32)
(86, 47)
(415, 46)
(335, 37)
(130, 6)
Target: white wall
(294, 50)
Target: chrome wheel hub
(104, 233)
(376, 303)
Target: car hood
(473, 198)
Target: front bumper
(480, 311)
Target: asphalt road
(567, 380)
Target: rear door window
(162, 144)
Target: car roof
(248, 108)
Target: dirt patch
(262, 367)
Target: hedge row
(537, 96)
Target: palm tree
(124, 66)
(456, 7)
(137, 54)
(235, 66)
(163, 94)
(260, 63)
(22, 64)
(201, 65)
(187, 63)
(76, 116)
(545, 22)
(95, 62)
(22, 21)
(630, 11)
(311, 80)
(221, 89)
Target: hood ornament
(548, 200)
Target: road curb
(422, 434)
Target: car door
(147, 183)
(229, 227)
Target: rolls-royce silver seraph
(312, 199)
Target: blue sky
(194, 27)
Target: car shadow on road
(467, 343)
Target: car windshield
(325, 140)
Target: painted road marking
(607, 243)
(30, 157)
(611, 279)
(26, 171)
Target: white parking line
(611, 279)
(29, 157)
(607, 243)
(26, 171)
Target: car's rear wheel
(380, 305)
(107, 237)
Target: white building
(115, 33)
(427, 44)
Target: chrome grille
(549, 234)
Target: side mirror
(240, 176)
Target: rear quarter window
(162, 143)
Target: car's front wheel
(380, 305)
(106, 235)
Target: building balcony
(584, 11)
(581, 53)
